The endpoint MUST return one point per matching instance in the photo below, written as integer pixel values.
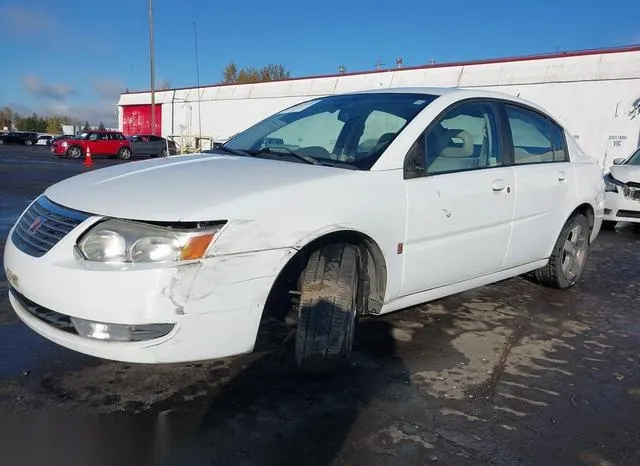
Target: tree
(270, 72)
(33, 123)
(101, 126)
(7, 118)
(86, 126)
(55, 122)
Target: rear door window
(531, 134)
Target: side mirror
(618, 161)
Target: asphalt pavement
(509, 374)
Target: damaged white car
(346, 205)
(622, 197)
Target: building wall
(592, 94)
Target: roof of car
(440, 91)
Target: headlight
(126, 241)
(611, 184)
(64, 144)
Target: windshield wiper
(287, 151)
(229, 150)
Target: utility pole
(195, 39)
(153, 85)
(378, 65)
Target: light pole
(153, 92)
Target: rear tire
(569, 255)
(124, 153)
(609, 224)
(328, 308)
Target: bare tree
(271, 72)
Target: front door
(460, 199)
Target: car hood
(187, 188)
(626, 173)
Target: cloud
(94, 113)
(108, 88)
(23, 22)
(36, 87)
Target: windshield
(352, 129)
(634, 159)
(83, 135)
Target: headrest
(459, 144)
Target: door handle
(498, 185)
(562, 176)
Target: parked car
(19, 137)
(150, 145)
(44, 139)
(111, 143)
(623, 191)
(181, 259)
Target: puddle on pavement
(10, 209)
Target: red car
(111, 143)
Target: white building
(594, 93)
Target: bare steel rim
(574, 252)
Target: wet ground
(509, 374)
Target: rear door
(459, 199)
(157, 145)
(545, 185)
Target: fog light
(119, 332)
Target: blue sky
(76, 57)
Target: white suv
(354, 204)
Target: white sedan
(622, 197)
(339, 207)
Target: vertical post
(195, 38)
(153, 94)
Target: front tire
(74, 152)
(569, 255)
(328, 308)
(28, 142)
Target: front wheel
(74, 152)
(328, 308)
(569, 255)
(28, 143)
(124, 153)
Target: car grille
(43, 225)
(628, 213)
(55, 319)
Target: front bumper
(58, 150)
(216, 304)
(619, 208)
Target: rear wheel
(74, 152)
(124, 153)
(569, 255)
(328, 308)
